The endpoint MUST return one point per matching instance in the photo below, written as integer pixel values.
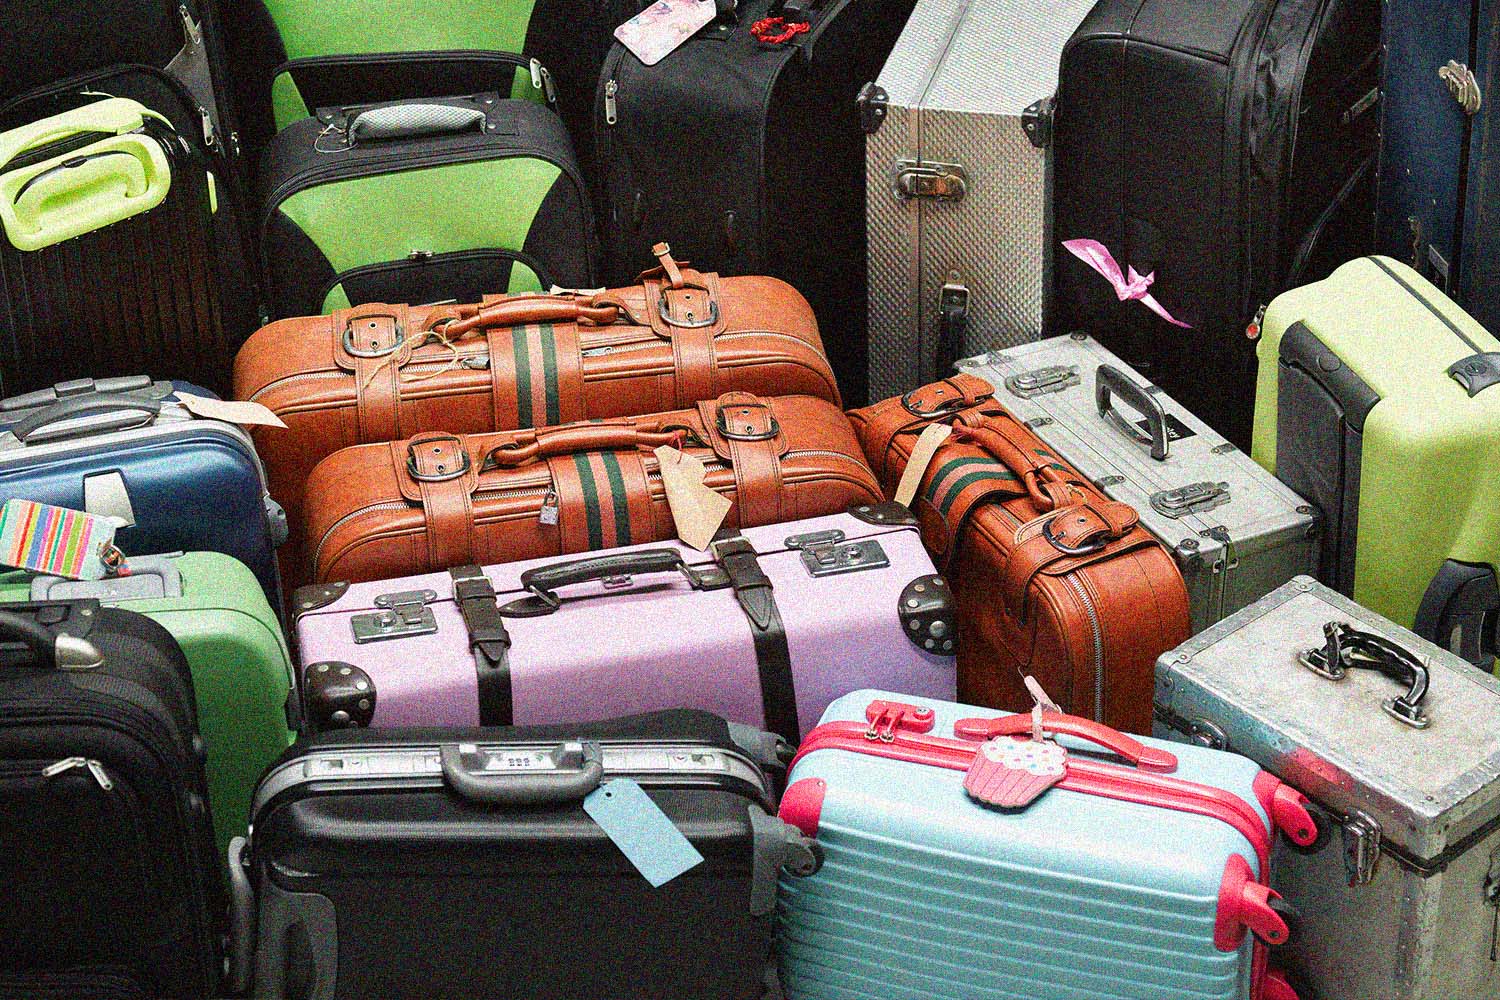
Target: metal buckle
(1071, 550)
(427, 477)
(666, 316)
(722, 424)
(355, 352)
(950, 406)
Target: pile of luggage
(913, 579)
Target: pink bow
(1137, 287)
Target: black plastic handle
(543, 580)
(52, 650)
(144, 410)
(523, 788)
(1110, 382)
(76, 387)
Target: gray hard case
(1401, 900)
(1236, 531)
(957, 183)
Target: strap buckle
(946, 408)
(664, 311)
(373, 352)
(722, 423)
(1072, 550)
(442, 475)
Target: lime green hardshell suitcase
(218, 614)
(1379, 401)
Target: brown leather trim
(747, 415)
(377, 380)
(373, 327)
(1079, 527)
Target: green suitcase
(219, 615)
(1379, 401)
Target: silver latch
(402, 614)
(925, 179)
(1462, 85)
(1361, 848)
(1053, 378)
(1194, 498)
(1231, 559)
(811, 539)
(832, 558)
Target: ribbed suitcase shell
(657, 643)
(1244, 536)
(927, 895)
(242, 674)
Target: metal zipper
(611, 109)
(1097, 631)
(70, 763)
(360, 512)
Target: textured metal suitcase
(182, 483)
(766, 629)
(242, 675)
(462, 863)
(1400, 897)
(1139, 876)
(956, 189)
(1377, 401)
(1237, 533)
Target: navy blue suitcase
(1439, 205)
(126, 447)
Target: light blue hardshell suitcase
(1120, 883)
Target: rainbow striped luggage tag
(58, 541)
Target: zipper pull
(611, 110)
(210, 137)
(548, 513)
(419, 255)
(479, 362)
(549, 89)
(192, 31)
(1253, 330)
(536, 74)
(70, 763)
(594, 352)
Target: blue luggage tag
(639, 828)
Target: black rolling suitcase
(745, 152)
(111, 882)
(1228, 147)
(462, 863)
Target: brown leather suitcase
(379, 373)
(1053, 579)
(438, 500)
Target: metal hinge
(925, 179)
(874, 104)
(403, 613)
(1361, 848)
(1036, 121)
(1462, 85)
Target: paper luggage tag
(656, 31)
(922, 452)
(230, 411)
(1013, 773)
(697, 510)
(638, 827)
(58, 541)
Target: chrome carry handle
(1348, 648)
(573, 771)
(1109, 382)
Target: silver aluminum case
(1423, 927)
(1230, 555)
(956, 84)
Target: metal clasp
(814, 538)
(1462, 85)
(1053, 378)
(1193, 498)
(925, 179)
(402, 614)
(831, 558)
(1362, 838)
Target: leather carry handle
(143, 411)
(526, 788)
(1116, 742)
(1111, 382)
(52, 650)
(1035, 472)
(544, 580)
(523, 310)
(571, 440)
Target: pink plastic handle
(1116, 742)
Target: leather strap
(1074, 532)
(377, 379)
(680, 312)
(519, 310)
(446, 494)
(773, 658)
(603, 499)
(536, 374)
(489, 641)
(744, 430)
(945, 401)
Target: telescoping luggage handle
(119, 412)
(568, 773)
(51, 649)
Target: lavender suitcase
(767, 628)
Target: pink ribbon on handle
(1136, 286)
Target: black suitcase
(748, 157)
(1226, 146)
(461, 863)
(112, 886)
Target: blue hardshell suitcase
(1123, 882)
(128, 448)
(1440, 151)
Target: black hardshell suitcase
(748, 157)
(460, 863)
(112, 887)
(1228, 147)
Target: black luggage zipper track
(80, 84)
(519, 256)
(427, 58)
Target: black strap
(753, 589)
(489, 641)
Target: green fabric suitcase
(421, 202)
(1379, 401)
(242, 674)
